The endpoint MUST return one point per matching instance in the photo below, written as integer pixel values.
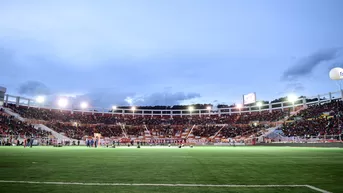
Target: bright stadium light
(62, 102)
(191, 108)
(209, 110)
(40, 99)
(239, 106)
(259, 104)
(133, 108)
(84, 105)
(114, 107)
(292, 98)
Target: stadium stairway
(268, 133)
(57, 135)
(16, 115)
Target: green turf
(319, 167)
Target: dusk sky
(157, 52)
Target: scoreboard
(249, 98)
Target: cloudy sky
(150, 52)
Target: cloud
(33, 88)
(292, 87)
(169, 99)
(107, 99)
(306, 65)
(295, 87)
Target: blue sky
(151, 52)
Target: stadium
(179, 96)
(246, 148)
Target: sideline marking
(168, 185)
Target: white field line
(166, 185)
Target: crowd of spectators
(315, 127)
(275, 115)
(119, 125)
(316, 110)
(10, 126)
(312, 121)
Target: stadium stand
(317, 119)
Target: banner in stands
(229, 144)
(249, 98)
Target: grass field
(155, 169)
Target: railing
(301, 102)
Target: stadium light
(259, 104)
(209, 109)
(292, 98)
(113, 109)
(133, 110)
(40, 99)
(239, 107)
(84, 105)
(62, 102)
(190, 108)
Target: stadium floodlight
(239, 107)
(40, 99)
(84, 105)
(62, 102)
(114, 107)
(209, 109)
(259, 104)
(191, 108)
(292, 98)
(133, 108)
